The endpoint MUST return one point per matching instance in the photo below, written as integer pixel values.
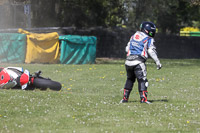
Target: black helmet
(148, 28)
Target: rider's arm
(152, 52)
(127, 47)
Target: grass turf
(90, 95)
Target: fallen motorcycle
(16, 77)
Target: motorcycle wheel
(43, 84)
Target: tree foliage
(78, 13)
(168, 15)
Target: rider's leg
(141, 74)
(129, 83)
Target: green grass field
(90, 96)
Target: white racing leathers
(138, 49)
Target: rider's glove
(159, 66)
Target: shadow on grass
(152, 101)
(28, 89)
(135, 101)
(161, 100)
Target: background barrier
(42, 48)
(12, 48)
(111, 43)
(78, 49)
(190, 33)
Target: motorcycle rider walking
(141, 45)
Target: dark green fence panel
(12, 48)
(78, 49)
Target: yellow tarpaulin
(41, 48)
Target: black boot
(143, 97)
(125, 96)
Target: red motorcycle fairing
(24, 79)
(9, 76)
(32, 79)
(5, 77)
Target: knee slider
(143, 84)
(144, 81)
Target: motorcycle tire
(43, 83)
